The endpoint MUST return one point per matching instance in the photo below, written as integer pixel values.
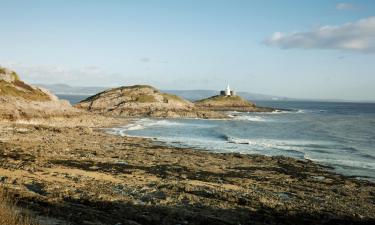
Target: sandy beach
(72, 172)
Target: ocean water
(340, 135)
(73, 99)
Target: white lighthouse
(228, 92)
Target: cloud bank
(357, 36)
(51, 74)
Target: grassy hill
(11, 85)
(225, 101)
(229, 103)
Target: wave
(327, 147)
(144, 123)
(250, 118)
(141, 125)
(135, 127)
(284, 145)
(346, 163)
(289, 111)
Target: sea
(337, 134)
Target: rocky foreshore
(74, 173)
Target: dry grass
(10, 214)
(170, 97)
(219, 100)
(24, 91)
(145, 99)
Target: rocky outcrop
(229, 103)
(141, 101)
(19, 100)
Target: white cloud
(357, 36)
(51, 74)
(345, 6)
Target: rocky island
(143, 101)
(147, 101)
(229, 101)
(58, 166)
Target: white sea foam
(135, 127)
(342, 162)
(285, 145)
(250, 118)
(282, 112)
(142, 124)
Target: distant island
(191, 95)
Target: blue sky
(298, 48)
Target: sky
(321, 49)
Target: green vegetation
(2, 70)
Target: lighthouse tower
(227, 91)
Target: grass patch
(219, 100)
(170, 97)
(145, 99)
(10, 214)
(27, 91)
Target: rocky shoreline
(74, 173)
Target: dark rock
(36, 187)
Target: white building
(228, 92)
